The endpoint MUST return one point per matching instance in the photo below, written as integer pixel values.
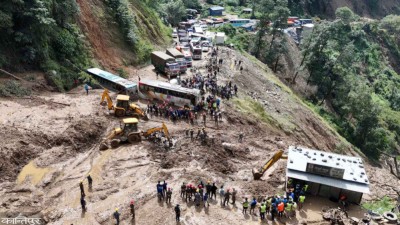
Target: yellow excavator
(129, 132)
(123, 107)
(257, 174)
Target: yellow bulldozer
(123, 107)
(129, 132)
(257, 174)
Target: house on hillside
(247, 11)
(216, 10)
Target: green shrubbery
(13, 88)
(42, 34)
(347, 65)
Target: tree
(192, 4)
(242, 2)
(174, 11)
(228, 29)
(345, 14)
(64, 11)
(391, 23)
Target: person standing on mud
(90, 181)
(208, 188)
(116, 215)
(177, 213)
(87, 87)
(132, 207)
(216, 119)
(82, 188)
(245, 206)
(263, 210)
(198, 132)
(205, 200)
(234, 192)
(204, 119)
(191, 134)
(83, 204)
(183, 190)
(235, 89)
(197, 198)
(214, 191)
(240, 136)
(169, 195)
(227, 197)
(164, 188)
(160, 191)
(253, 205)
(221, 193)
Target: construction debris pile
(340, 217)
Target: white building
(327, 174)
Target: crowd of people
(202, 193)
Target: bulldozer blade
(256, 175)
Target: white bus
(170, 93)
(114, 82)
(198, 30)
(196, 50)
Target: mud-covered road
(51, 143)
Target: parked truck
(220, 38)
(179, 58)
(165, 64)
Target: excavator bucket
(103, 146)
(256, 174)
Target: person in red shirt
(281, 209)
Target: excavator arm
(276, 157)
(106, 97)
(110, 136)
(139, 111)
(163, 128)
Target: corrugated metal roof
(113, 78)
(348, 185)
(340, 166)
(217, 8)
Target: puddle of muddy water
(31, 170)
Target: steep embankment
(326, 9)
(106, 32)
(107, 43)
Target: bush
(233, 3)
(122, 73)
(126, 19)
(65, 44)
(228, 29)
(143, 51)
(13, 88)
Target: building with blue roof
(216, 10)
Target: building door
(324, 191)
